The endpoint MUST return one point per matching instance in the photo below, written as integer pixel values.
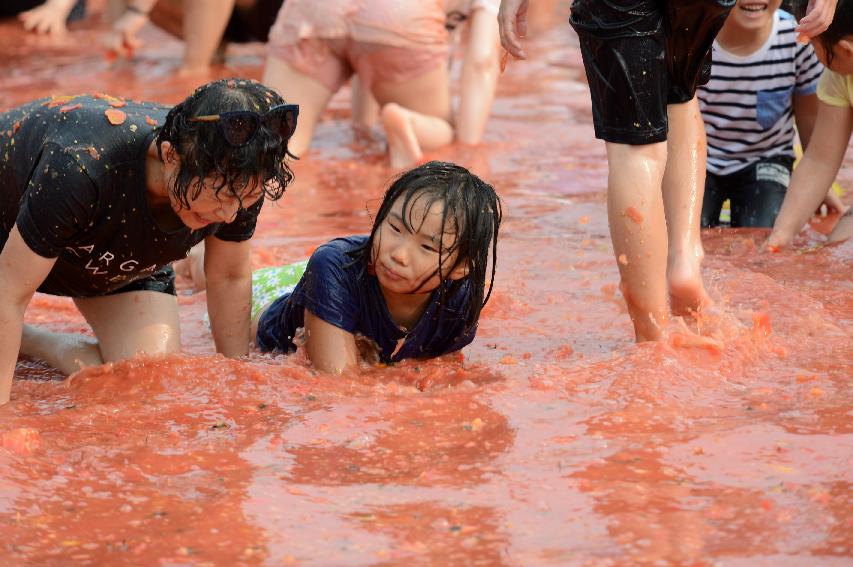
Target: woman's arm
(480, 69)
(815, 173)
(21, 272)
(330, 348)
(228, 271)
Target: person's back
(761, 80)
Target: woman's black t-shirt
(74, 183)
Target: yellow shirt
(835, 89)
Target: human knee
(631, 155)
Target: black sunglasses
(239, 127)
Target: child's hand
(122, 39)
(833, 202)
(777, 241)
(512, 18)
(48, 19)
(818, 16)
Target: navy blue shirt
(339, 291)
(74, 184)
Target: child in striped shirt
(762, 80)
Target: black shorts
(163, 281)
(756, 193)
(641, 55)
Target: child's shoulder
(341, 245)
(339, 252)
(786, 16)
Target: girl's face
(842, 55)
(405, 260)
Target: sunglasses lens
(282, 122)
(239, 128)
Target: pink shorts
(333, 61)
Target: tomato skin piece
(115, 117)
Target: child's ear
(845, 46)
(459, 272)
(170, 156)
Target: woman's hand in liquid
(48, 19)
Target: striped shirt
(747, 105)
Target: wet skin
(557, 440)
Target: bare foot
(687, 294)
(403, 147)
(681, 337)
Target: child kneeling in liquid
(414, 286)
(832, 132)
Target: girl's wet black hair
(204, 153)
(841, 27)
(472, 210)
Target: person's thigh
(623, 48)
(760, 192)
(427, 93)
(311, 91)
(133, 322)
(712, 202)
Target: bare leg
(411, 133)
(204, 25)
(311, 96)
(683, 189)
(67, 352)
(635, 211)
(365, 109)
(191, 268)
(131, 323)
(416, 115)
(125, 325)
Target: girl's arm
(330, 348)
(480, 69)
(815, 173)
(21, 272)
(805, 114)
(228, 272)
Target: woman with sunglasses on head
(99, 195)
